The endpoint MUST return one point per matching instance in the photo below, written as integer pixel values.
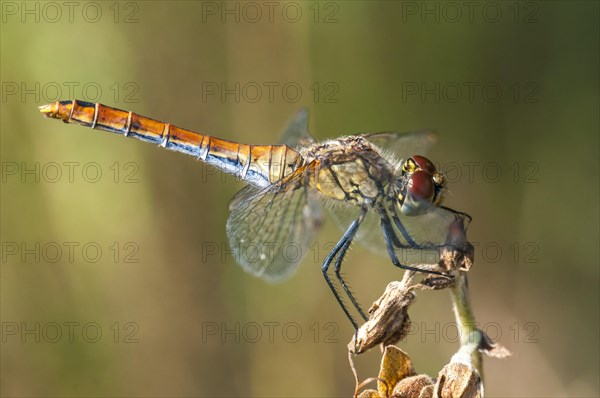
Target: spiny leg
(386, 223)
(390, 236)
(403, 230)
(411, 244)
(338, 266)
(325, 268)
(348, 236)
(414, 245)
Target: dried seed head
(389, 321)
(420, 386)
(458, 380)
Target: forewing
(296, 132)
(403, 145)
(269, 230)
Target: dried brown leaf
(395, 366)
(491, 349)
(389, 321)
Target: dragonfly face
(421, 186)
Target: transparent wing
(243, 195)
(428, 231)
(269, 230)
(296, 134)
(368, 235)
(431, 228)
(403, 145)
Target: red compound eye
(424, 164)
(421, 187)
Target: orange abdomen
(259, 165)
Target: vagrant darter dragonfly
(377, 181)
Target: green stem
(470, 335)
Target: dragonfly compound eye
(418, 193)
(424, 164)
(421, 186)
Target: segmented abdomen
(259, 165)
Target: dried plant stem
(471, 337)
(407, 279)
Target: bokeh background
(115, 275)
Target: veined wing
(279, 219)
(295, 134)
(267, 164)
(369, 233)
(429, 229)
(427, 232)
(400, 146)
(269, 230)
(403, 145)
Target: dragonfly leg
(338, 266)
(389, 234)
(414, 245)
(403, 231)
(465, 215)
(409, 240)
(386, 224)
(339, 251)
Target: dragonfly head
(421, 186)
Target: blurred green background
(148, 302)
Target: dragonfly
(378, 187)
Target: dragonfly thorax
(349, 169)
